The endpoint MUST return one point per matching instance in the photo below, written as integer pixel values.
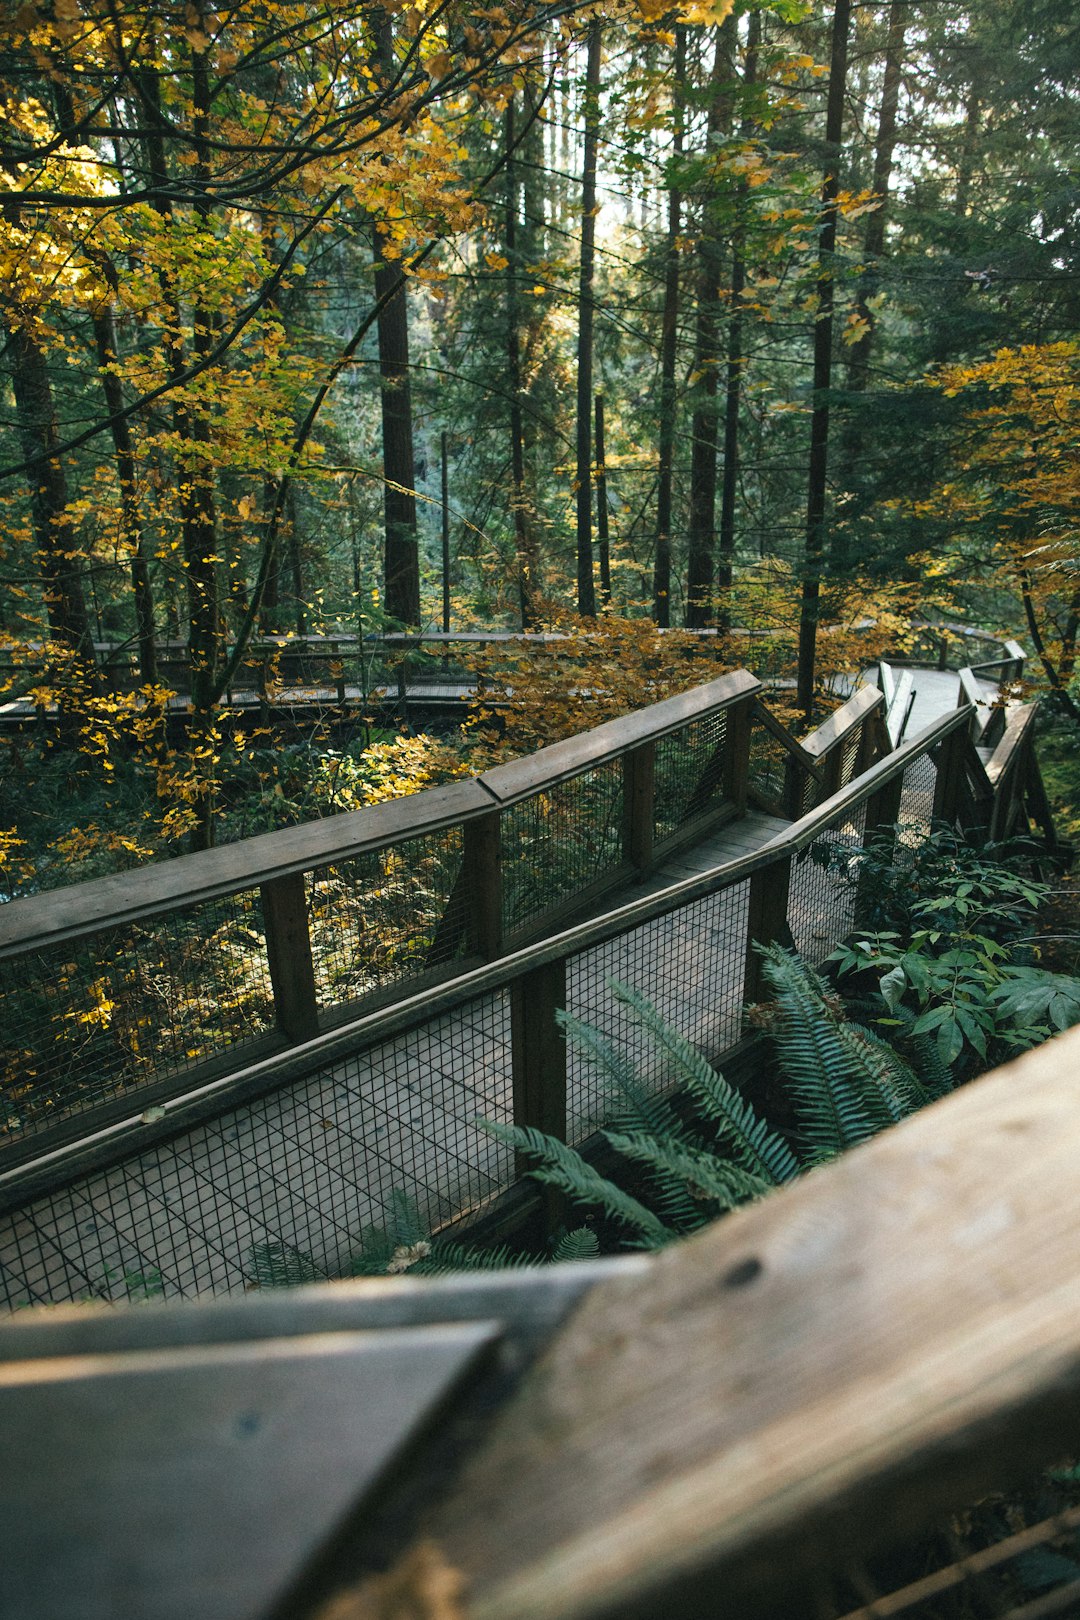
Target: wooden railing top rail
(134, 1132)
(839, 726)
(559, 761)
(829, 1368)
(37, 921)
(1017, 732)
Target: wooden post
(951, 777)
(737, 754)
(288, 952)
(883, 807)
(833, 765)
(767, 921)
(484, 890)
(639, 794)
(539, 1064)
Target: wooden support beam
(539, 1063)
(766, 922)
(288, 951)
(639, 799)
(818, 1373)
(483, 879)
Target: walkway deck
(301, 1175)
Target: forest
(612, 320)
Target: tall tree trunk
(704, 425)
(54, 536)
(823, 327)
(401, 552)
(586, 594)
(858, 367)
(669, 335)
(108, 353)
(725, 565)
(969, 149)
(524, 544)
(602, 536)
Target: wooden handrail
(125, 1126)
(38, 921)
(827, 1370)
(1008, 751)
(839, 726)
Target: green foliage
(942, 970)
(845, 1083)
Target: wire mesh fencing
(559, 842)
(689, 774)
(690, 965)
(376, 919)
(289, 1187)
(86, 1021)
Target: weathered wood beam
(813, 1375)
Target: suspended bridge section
(235, 1060)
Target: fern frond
(634, 1106)
(580, 1244)
(561, 1167)
(278, 1265)
(447, 1256)
(825, 1066)
(407, 1225)
(719, 1181)
(899, 1083)
(760, 1150)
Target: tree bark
(586, 593)
(823, 327)
(54, 537)
(524, 544)
(858, 367)
(705, 421)
(107, 352)
(725, 566)
(669, 334)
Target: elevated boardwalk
(275, 1153)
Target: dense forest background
(741, 317)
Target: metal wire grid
(297, 1178)
(767, 766)
(557, 843)
(374, 920)
(821, 902)
(917, 797)
(849, 756)
(85, 1021)
(689, 773)
(690, 964)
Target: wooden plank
(41, 920)
(288, 952)
(521, 777)
(841, 724)
(825, 1369)
(1012, 739)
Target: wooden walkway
(330, 1153)
(298, 1177)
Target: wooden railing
(155, 978)
(784, 891)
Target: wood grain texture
(41, 920)
(556, 763)
(875, 1342)
(841, 724)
